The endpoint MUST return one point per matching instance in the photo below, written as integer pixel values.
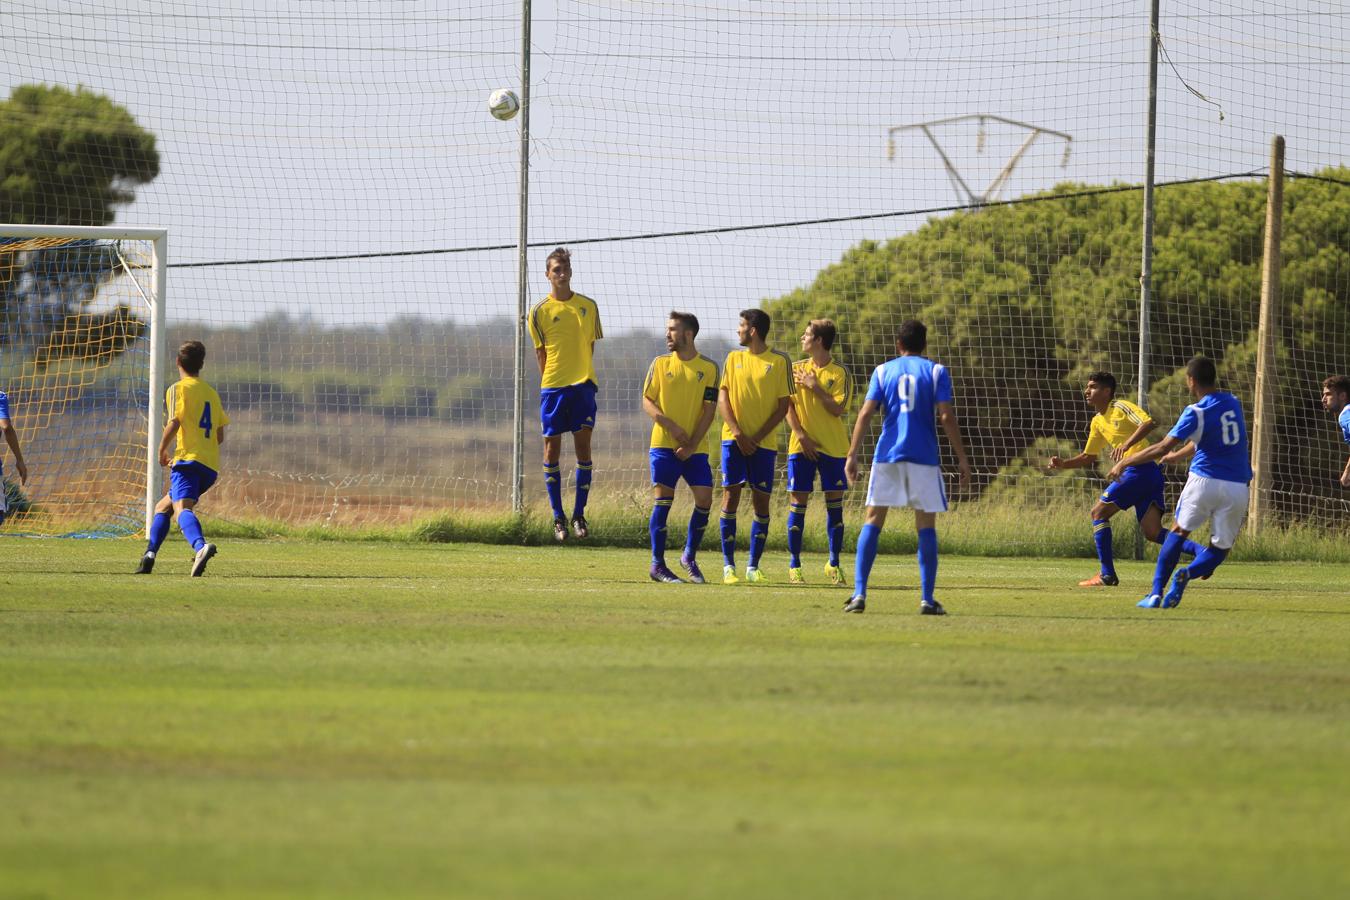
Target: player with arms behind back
(1216, 489)
(12, 439)
(680, 395)
(910, 392)
(1336, 396)
(196, 429)
(1122, 427)
(564, 327)
(754, 398)
(819, 443)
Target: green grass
(423, 720)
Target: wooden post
(1267, 340)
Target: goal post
(83, 331)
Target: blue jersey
(4, 406)
(909, 388)
(1216, 427)
(1344, 420)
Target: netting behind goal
(344, 212)
(75, 364)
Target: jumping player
(564, 327)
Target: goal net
(82, 320)
(345, 218)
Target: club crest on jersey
(583, 312)
(698, 376)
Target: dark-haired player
(196, 429)
(1216, 490)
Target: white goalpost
(83, 364)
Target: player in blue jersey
(1216, 490)
(912, 394)
(11, 438)
(1336, 396)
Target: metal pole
(522, 264)
(1268, 330)
(154, 414)
(1146, 267)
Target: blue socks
(796, 523)
(728, 537)
(553, 484)
(1168, 558)
(583, 489)
(1206, 561)
(657, 529)
(1190, 548)
(868, 537)
(759, 534)
(192, 529)
(834, 512)
(159, 530)
(698, 522)
(928, 562)
(1101, 535)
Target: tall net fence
(343, 215)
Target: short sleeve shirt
(908, 389)
(567, 329)
(1215, 425)
(1344, 422)
(200, 414)
(754, 384)
(682, 388)
(830, 432)
(1113, 428)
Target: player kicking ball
(910, 392)
(196, 429)
(1216, 489)
(1122, 427)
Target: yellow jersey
(567, 329)
(1112, 428)
(754, 384)
(682, 389)
(829, 432)
(197, 407)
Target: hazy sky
(321, 128)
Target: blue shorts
(567, 409)
(668, 469)
(189, 480)
(756, 469)
(1140, 487)
(801, 474)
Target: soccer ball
(503, 104)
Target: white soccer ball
(504, 104)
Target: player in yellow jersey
(1121, 427)
(564, 327)
(195, 429)
(754, 398)
(680, 395)
(818, 443)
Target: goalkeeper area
(321, 719)
(345, 218)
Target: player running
(754, 398)
(1122, 427)
(818, 443)
(680, 395)
(1216, 489)
(564, 327)
(1336, 395)
(196, 429)
(908, 391)
(12, 439)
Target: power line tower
(963, 190)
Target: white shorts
(1222, 503)
(907, 484)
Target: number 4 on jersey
(205, 423)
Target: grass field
(385, 720)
